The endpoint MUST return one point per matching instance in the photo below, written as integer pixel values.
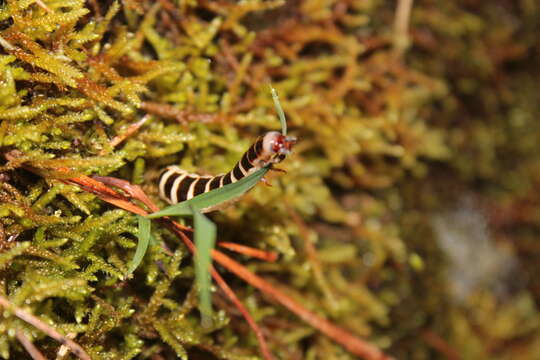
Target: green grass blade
(280, 112)
(142, 245)
(212, 198)
(205, 238)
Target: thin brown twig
(47, 329)
(230, 58)
(269, 256)
(312, 256)
(129, 131)
(401, 25)
(174, 33)
(438, 343)
(42, 5)
(182, 116)
(29, 346)
(245, 313)
(95, 6)
(229, 55)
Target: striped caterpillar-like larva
(177, 185)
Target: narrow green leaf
(142, 245)
(205, 238)
(280, 112)
(212, 198)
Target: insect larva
(176, 185)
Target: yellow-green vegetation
(400, 139)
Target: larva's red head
(277, 146)
(283, 144)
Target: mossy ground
(394, 138)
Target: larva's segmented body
(177, 185)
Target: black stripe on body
(169, 184)
(259, 146)
(200, 186)
(214, 183)
(227, 180)
(252, 154)
(184, 187)
(237, 172)
(246, 164)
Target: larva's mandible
(176, 185)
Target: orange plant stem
(269, 256)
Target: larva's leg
(273, 168)
(266, 182)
